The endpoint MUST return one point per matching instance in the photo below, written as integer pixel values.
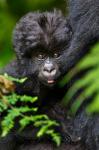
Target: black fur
(35, 33)
(84, 20)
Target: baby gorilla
(39, 41)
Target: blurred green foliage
(88, 81)
(10, 12)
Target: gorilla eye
(56, 55)
(41, 56)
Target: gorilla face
(48, 70)
(39, 41)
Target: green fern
(89, 82)
(8, 106)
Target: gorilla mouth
(51, 81)
(48, 82)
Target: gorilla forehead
(48, 29)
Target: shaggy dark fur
(39, 33)
(84, 20)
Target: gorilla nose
(49, 70)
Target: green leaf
(15, 79)
(94, 106)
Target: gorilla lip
(51, 81)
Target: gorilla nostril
(49, 69)
(49, 72)
(53, 72)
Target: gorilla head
(39, 41)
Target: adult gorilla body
(84, 20)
